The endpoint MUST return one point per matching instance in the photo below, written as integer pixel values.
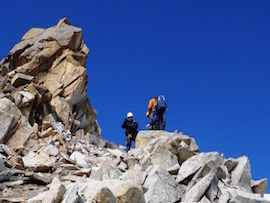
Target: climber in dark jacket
(131, 127)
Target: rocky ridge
(51, 149)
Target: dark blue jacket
(130, 126)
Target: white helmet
(129, 114)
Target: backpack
(161, 104)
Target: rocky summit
(51, 149)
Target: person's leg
(164, 122)
(134, 135)
(154, 121)
(128, 144)
(160, 122)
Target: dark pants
(157, 121)
(129, 138)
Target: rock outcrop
(51, 149)
(45, 74)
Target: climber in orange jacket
(151, 106)
(155, 112)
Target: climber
(131, 127)
(155, 112)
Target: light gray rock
(3, 157)
(66, 158)
(5, 175)
(108, 170)
(198, 190)
(56, 192)
(6, 124)
(95, 139)
(222, 173)
(58, 126)
(83, 171)
(166, 142)
(241, 175)
(101, 142)
(62, 109)
(203, 171)
(137, 152)
(135, 174)
(79, 158)
(37, 161)
(259, 186)
(213, 190)
(231, 164)
(104, 194)
(145, 162)
(10, 116)
(185, 153)
(132, 161)
(2, 165)
(126, 191)
(71, 195)
(38, 198)
(145, 137)
(51, 150)
(161, 186)
(116, 153)
(7, 150)
(174, 169)
(43, 178)
(190, 142)
(163, 157)
(229, 194)
(193, 164)
(22, 134)
(225, 196)
(110, 191)
(205, 200)
(26, 98)
(10, 108)
(95, 191)
(122, 166)
(75, 126)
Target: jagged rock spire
(45, 74)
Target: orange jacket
(151, 105)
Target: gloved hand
(129, 136)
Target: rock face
(51, 149)
(45, 74)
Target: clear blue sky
(211, 59)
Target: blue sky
(209, 58)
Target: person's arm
(124, 125)
(136, 126)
